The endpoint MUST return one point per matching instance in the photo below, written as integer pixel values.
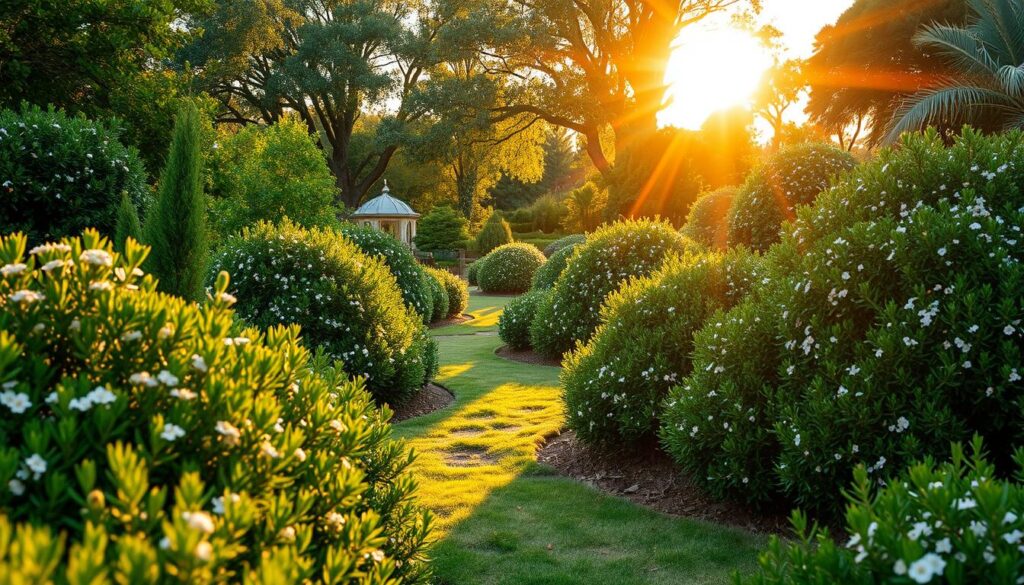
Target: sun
(711, 69)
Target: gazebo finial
(385, 190)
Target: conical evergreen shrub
(127, 224)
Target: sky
(726, 66)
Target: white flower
(100, 395)
(18, 402)
(942, 251)
(16, 268)
(218, 503)
(300, 454)
(166, 378)
(16, 486)
(199, 363)
(183, 393)
(900, 567)
(268, 450)
(101, 285)
(966, 504)
(1009, 518)
(204, 551)
(172, 432)
(97, 257)
(36, 464)
(1013, 537)
(53, 264)
(923, 569)
(199, 521)
(229, 431)
(227, 298)
(26, 296)
(133, 335)
(142, 379)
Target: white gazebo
(389, 215)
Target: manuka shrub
(510, 268)
(455, 287)
(346, 302)
(612, 255)
(514, 322)
(954, 523)
(769, 197)
(707, 222)
(615, 384)
(61, 174)
(439, 296)
(145, 439)
(570, 240)
(400, 261)
(896, 325)
(548, 274)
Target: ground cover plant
(400, 261)
(149, 439)
(510, 268)
(611, 255)
(346, 302)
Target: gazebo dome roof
(384, 205)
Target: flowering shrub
(567, 241)
(61, 174)
(346, 302)
(438, 295)
(400, 261)
(614, 385)
(548, 274)
(707, 220)
(954, 524)
(163, 444)
(612, 254)
(455, 287)
(514, 322)
(795, 176)
(510, 268)
(894, 317)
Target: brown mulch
(649, 478)
(430, 398)
(451, 321)
(526, 356)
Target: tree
(176, 225)
(269, 172)
(986, 84)
(330, 62)
(865, 64)
(586, 209)
(561, 174)
(443, 228)
(779, 90)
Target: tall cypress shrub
(176, 226)
(127, 224)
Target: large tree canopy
(866, 63)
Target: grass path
(503, 518)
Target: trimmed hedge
(510, 268)
(61, 174)
(707, 222)
(458, 292)
(612, 255)
(548, 274)
(400, 261)
(792, 177)
(346, 302)
(615, 384)
(514, 322)
(148, 439)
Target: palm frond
(995, 25)
(1011, 79)
(948, 103)
(959, 46)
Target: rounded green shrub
(515, 319)
(346, 302)
(572, 240)
(439, 296)
(510, 268)
(894, 324)
(769, 197)
(147, 439)
(548, 274)
(707, 222)
(455, 287)
(400, 261)
(949, 523)
(615, 384)
(61, 174)
(612, 255)
(473, 272)
(496, 232)
(444, 229)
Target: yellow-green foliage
(439, 296)
(510, 268)
(496, 232)
(162, 444)
(707, 222)
(458, 291)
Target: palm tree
(987, 58)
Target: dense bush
(60, 174)
(510, 268)
(455, 287)
(444, 228)
(707, 222)
(955, 523)
(346, 302)
(611, 255)
(548, 274)
(267, 172)
(892, 326)
(515, 319)
(400, 260)
(615, 384)
(496, 232)
(473, 271)
(145, 439)
(570, 240)
(439, 296)
(792, 177)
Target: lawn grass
(485, 310)
(503, 518)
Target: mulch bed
(451, 321)
(527, 356)
(430, 398)
(649, 478)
